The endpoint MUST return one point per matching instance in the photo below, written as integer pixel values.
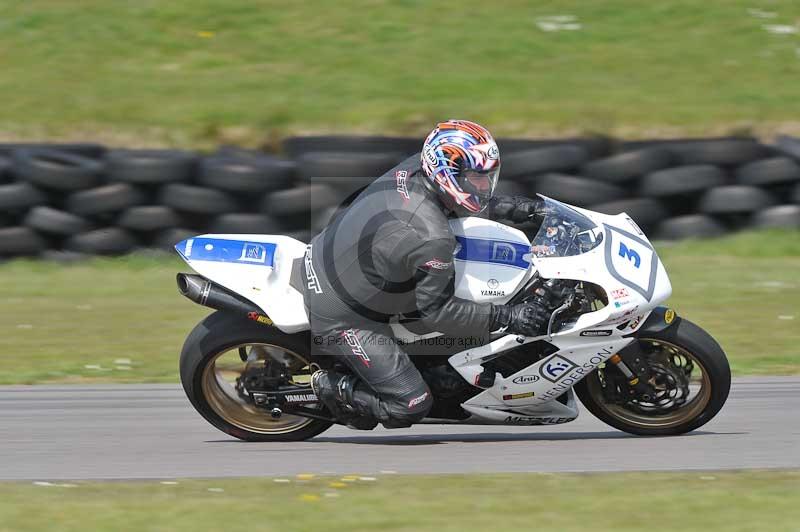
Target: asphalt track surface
(152, 432)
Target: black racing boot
(334, 390)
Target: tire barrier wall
(70, 200)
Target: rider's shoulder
(430, 223)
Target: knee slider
(405, 412)
(418, 406)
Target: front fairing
(608, 251)
(564, 232)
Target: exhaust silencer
(204, 292)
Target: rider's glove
(515, 209)
(525, 319)
(552, 293)
(531, 318)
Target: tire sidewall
(705, 349)
(219, 332)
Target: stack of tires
(63, 201)
(673, 189)
(330, 173)
(68, 201)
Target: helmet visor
(481, 184)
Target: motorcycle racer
(390, 253)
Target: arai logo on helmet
(430, 155)
(493, 153)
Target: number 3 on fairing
(631, 255)
(631, 260)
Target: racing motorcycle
(634, 364)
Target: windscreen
(564, 232)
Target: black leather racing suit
(390, 252)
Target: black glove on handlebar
(552, 293)
(526, 319)
(516, 209)
(532, 318)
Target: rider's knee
(408, 411)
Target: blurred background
(128, 126)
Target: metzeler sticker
(528, 420)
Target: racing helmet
(462, 163)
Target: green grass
(701, 501)
(195, 73)
(745, 291)
(55, 320)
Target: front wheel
(222, 349)
(690, 374)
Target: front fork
(631, 361)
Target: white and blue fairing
(492, 262)
(257, 267)
(608, 251)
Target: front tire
(205, 375)
(683, 341)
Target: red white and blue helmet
(462, 161)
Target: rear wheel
(225, 349)
(690, 374)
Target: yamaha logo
(496, 293)
(301, 398)
(493, 153)
(493, 285)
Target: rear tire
(220, 332)
(705, 351)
